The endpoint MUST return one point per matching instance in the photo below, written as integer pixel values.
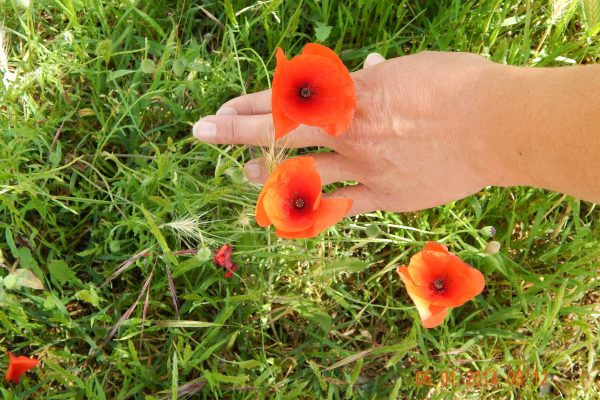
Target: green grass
(97, 165)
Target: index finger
(249, 104)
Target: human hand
(413, 143)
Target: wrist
(499, 116)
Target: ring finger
(331, 166)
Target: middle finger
(256, 130)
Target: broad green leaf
(23, 277)
(114, 75)
(372, 230)
(60, 271)
(322, 31)
(178, 67)
(104, 50)
(56, 155)
(26, 259)
(10, 281)
(89, 296)
(148, 66)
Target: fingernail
(373, 59)
(227, 111)
(204, 130)
(252, 171)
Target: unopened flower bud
(492, 247)
(488, 231)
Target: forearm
(542, 126)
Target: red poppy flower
(291, 201)
(223, 259)
(17, 366)
(313, 88)
(436, 280)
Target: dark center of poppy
(298, 202)
(439, 285)
(304, 92)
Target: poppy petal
(434, 266)
(434, 246)
(281, 122)
(419, 271)
(315, 49)
(262, 219)
(17, 366)
(471, 284)
(431, 316)
(326, 84)
(313, 88)
(329, 213)
(291, 200)
(477, 281)
(281, 214)
(293, 235)
(438, 315)
(455, 273)
(294, 180)
(341, 124)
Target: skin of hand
(428, 129)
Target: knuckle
(251, 107)
(232, 129)
(270, 127)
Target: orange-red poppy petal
(282, 214)
(340, 125)
(292, 179)
(473, 284)
(458, 276)
(17, 366)
(292, 166)
(316, 49)
(313, 88)
(291, 200)
(329, 213)
(326, 87)
(435, 246)
(300, 174)
(281, 122)
(262, 219)
(434, 265)
(437, 317)
(477, 281)
(295, 178)
(431, 316)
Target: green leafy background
(108, 203)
